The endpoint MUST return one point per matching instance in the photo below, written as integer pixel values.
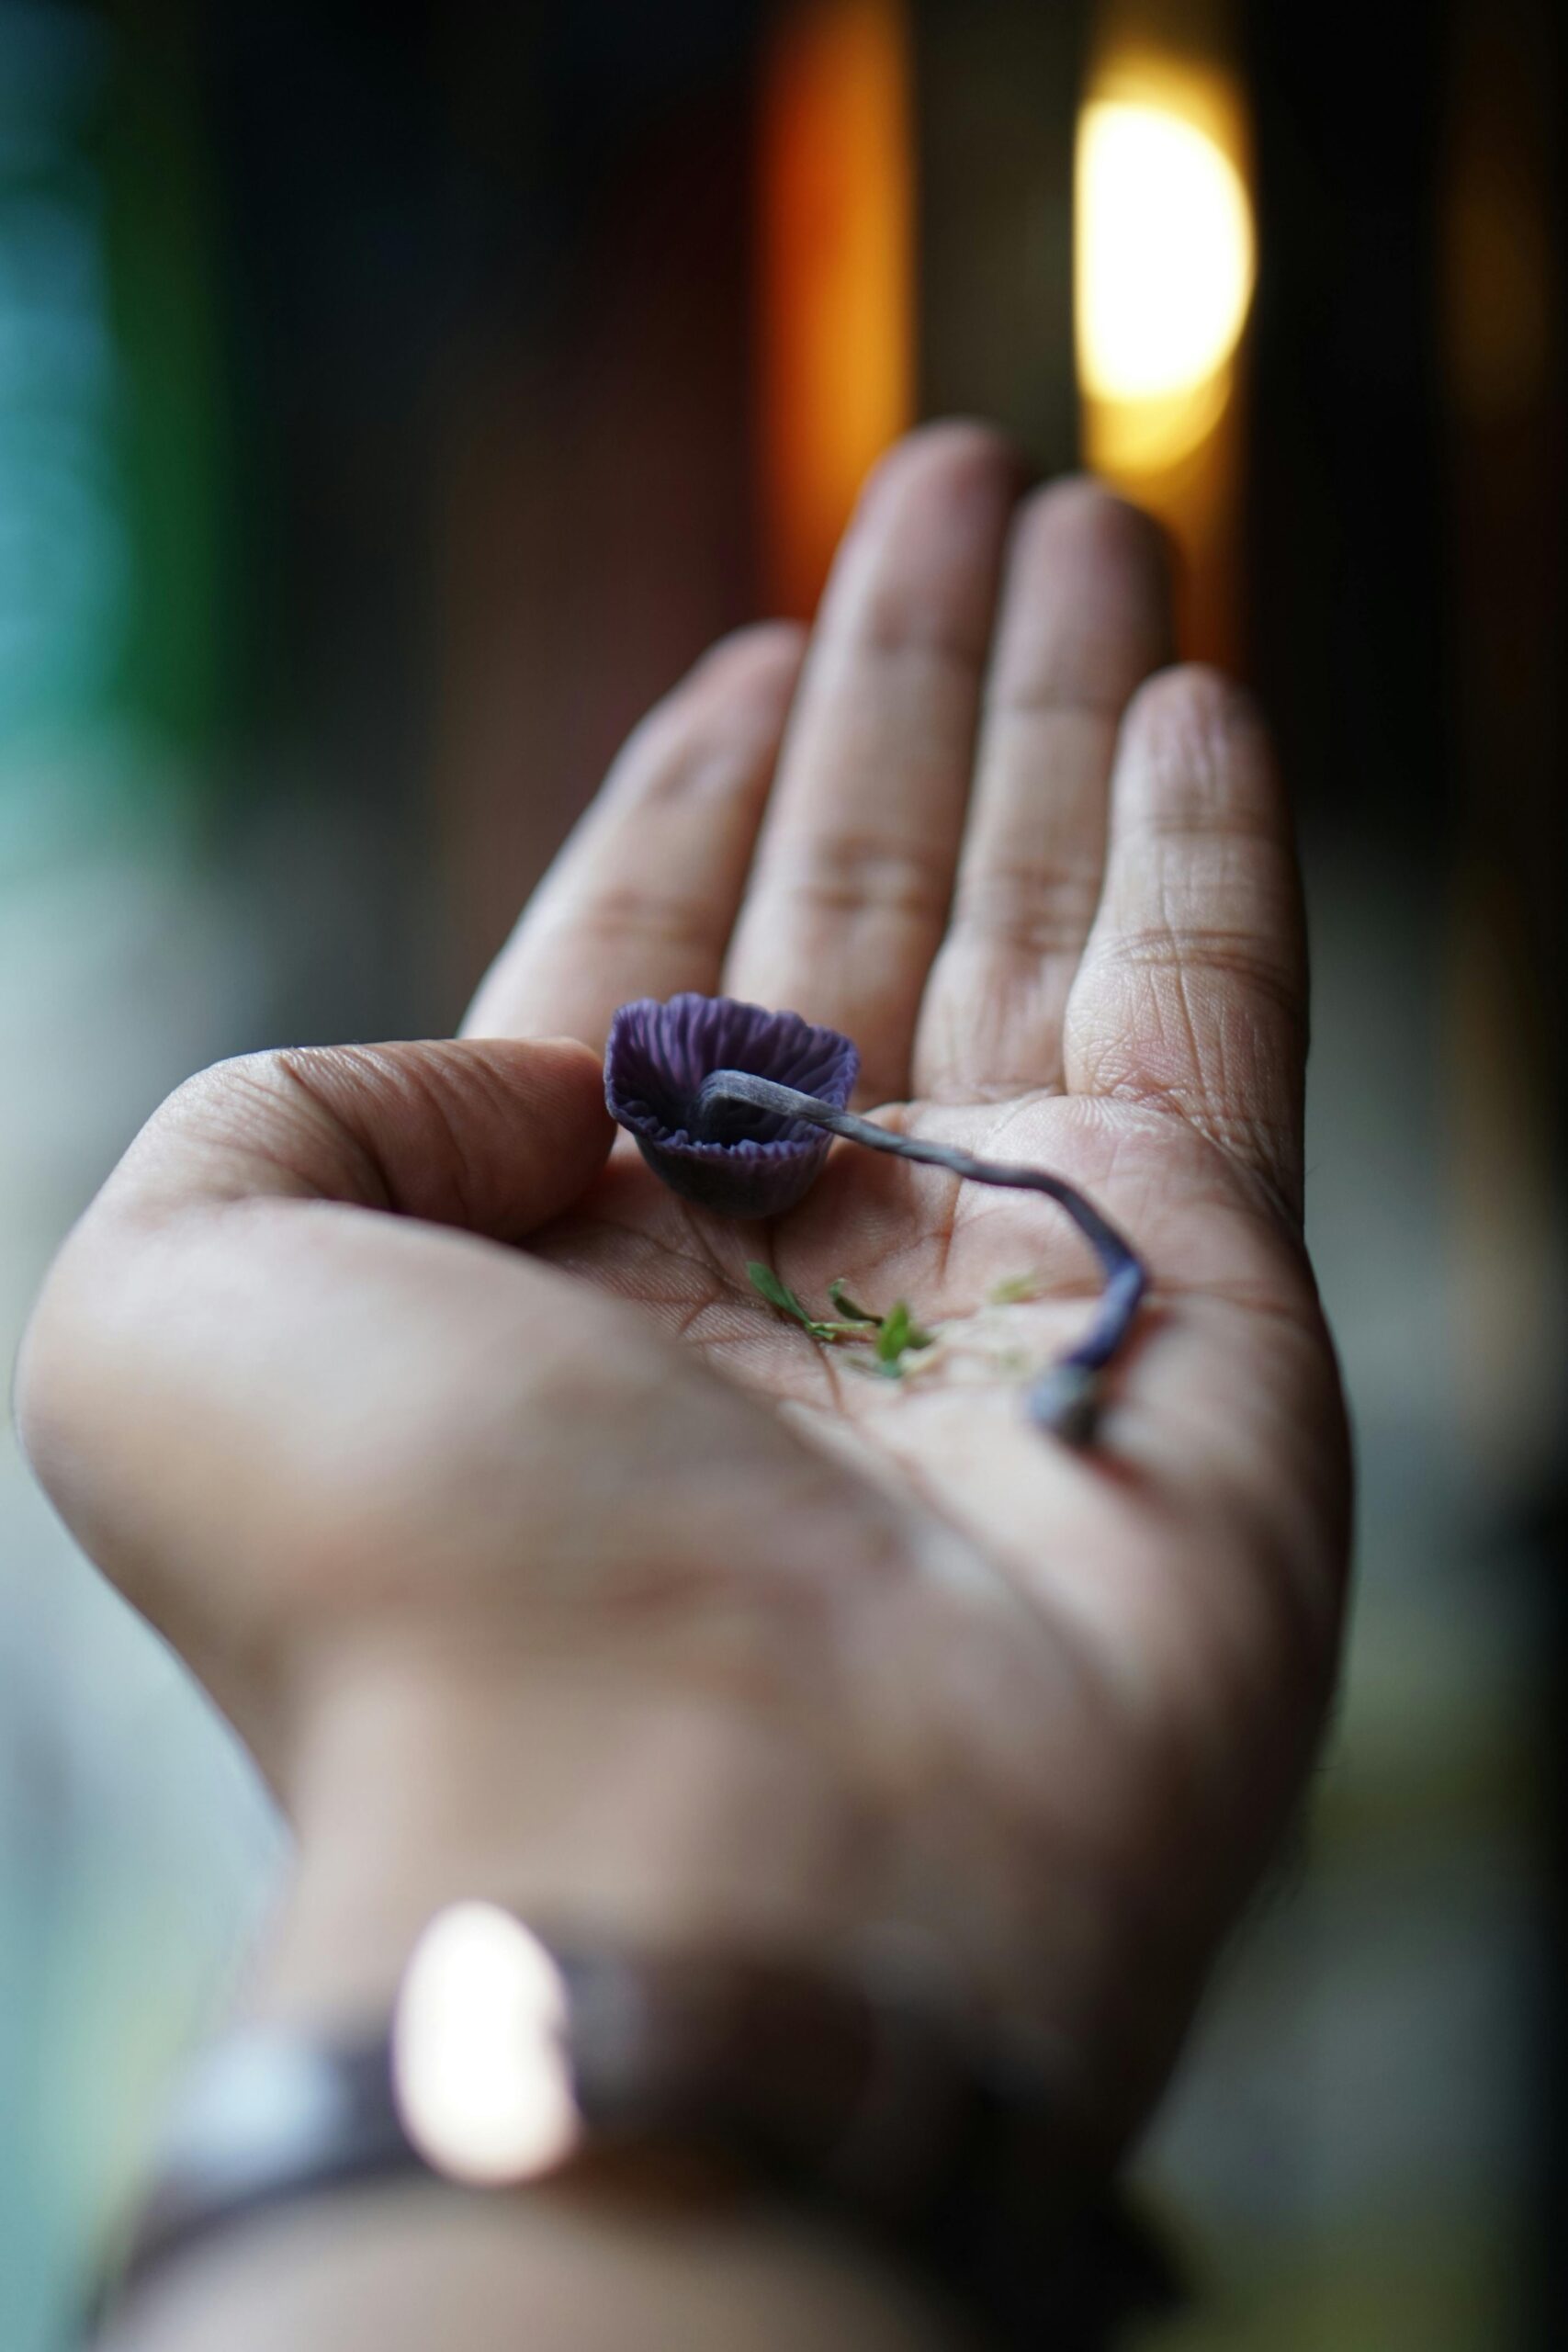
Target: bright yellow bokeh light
(1165, 254)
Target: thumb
(496, 1135)
(210, 1377)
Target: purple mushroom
(735, 1108)
(730, 1157)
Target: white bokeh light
(480, 2069)
(1165, 253)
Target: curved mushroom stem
(1066, 1398)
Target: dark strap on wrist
(877, 2098)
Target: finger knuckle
(857, 874)
(1032, 907)
(1237, 960)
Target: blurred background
(392, 402)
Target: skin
(535, 1556)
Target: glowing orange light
(836, 276)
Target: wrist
(622, 1805)
(635, 1808)
(718, 1778)
(668, 1796)
(647, 1807)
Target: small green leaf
(846, 1305)
(898, 1335)
(780, 1296)
(778, 1293)
(892, 1336)
(891, 1339)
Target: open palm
(1056, 907)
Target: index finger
(641, 900)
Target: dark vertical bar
(997, 97)
(595, 492)
(343, 268)
(1505, 242)
(1406, 528)
(1343, 499)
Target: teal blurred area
(134, 1843)
(375, 443)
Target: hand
(830, 1650)
(1053, 898)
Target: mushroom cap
(748, 1163)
